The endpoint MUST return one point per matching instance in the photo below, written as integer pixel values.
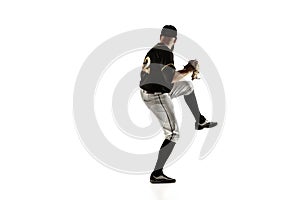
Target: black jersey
(161, 63)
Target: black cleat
(206, 124)
(161, 178)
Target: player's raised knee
(190, 85)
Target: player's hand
(191, 66)
(195, 75)
(195, 64)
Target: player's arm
(191, 67)
(180, 74)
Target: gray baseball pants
(162, 107)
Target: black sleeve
(167, 59)
(172, 60)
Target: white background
(255, 46)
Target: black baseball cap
(169, 30)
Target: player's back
(161, 63)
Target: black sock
(191, 101)
(163, 155)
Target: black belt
(151, 92)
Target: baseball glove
(192, 66)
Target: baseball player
(159, 84)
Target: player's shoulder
(160, 49)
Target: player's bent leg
(186, 88)
(192, 103)
(181, 88)
(200, 120)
